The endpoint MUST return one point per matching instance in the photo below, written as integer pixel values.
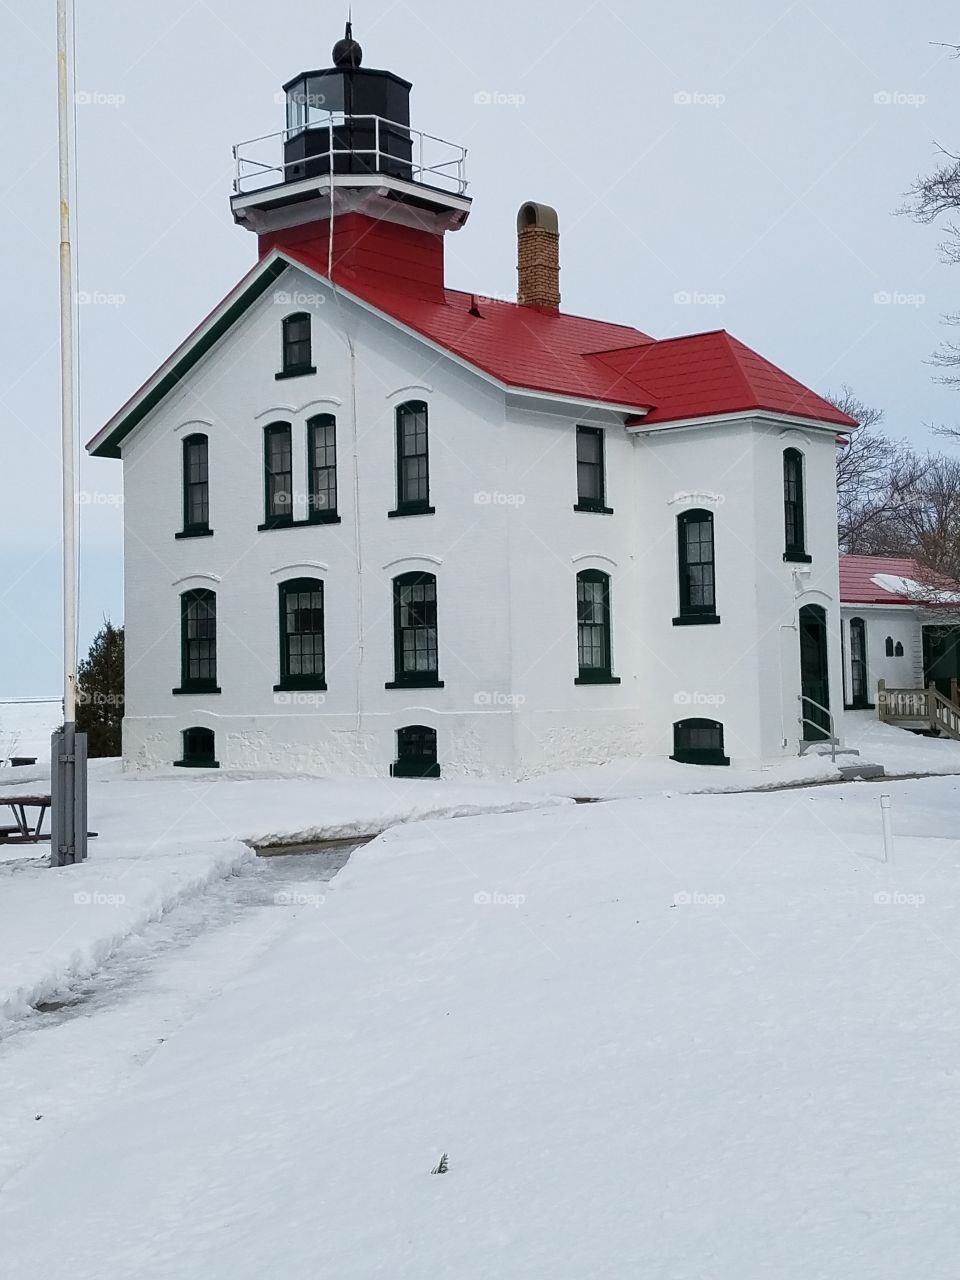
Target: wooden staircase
(922, 710)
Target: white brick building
(373, 523)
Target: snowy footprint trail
(57, 1066)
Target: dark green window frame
(697, 741)
(302, 640)
(594, 630)
(415, 637)
(859, 669)
(198, 642)
(794, 533)
(296, 345)
(413, 460)
(196, 487)
(696, 564)
(591, 471)
(416, 753)
(322, 468)
(277, 475)
(199, 750)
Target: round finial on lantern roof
(346, 52)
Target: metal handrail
(449, 170)
(802, 720)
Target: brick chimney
(538, 257)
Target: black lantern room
(347, 119)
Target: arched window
(277, 475)
(898, 650)
(593, 628)
(302, 657)
(415, 632)
(413, 460)
(858, 663)
(198, 642)
(793, 517)
(695, 558)
(322, 467)
(196, 495)
(198, 749)
(698, 741)
(416, 753)
(888, 647)
(296, 346)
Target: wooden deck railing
(929, 706)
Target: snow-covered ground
(163, 840)
(678, 1036)
(25, 728)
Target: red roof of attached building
(857, 574)
(710, 373)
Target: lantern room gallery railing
(354, 144)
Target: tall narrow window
(277, 474)
(196, 494)
(591, 478)
(302, 658)
(198, 642)
(858, 663)
(413, 464)
(696, 564)
(888, 646)
(593, 628)
(415, 631)
(296, 354)
(698, 741)
(322, 466)
(793, 524)
(416, 753)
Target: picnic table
(23, 832)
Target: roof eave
(106, 443)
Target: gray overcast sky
(772, 189)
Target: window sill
(203, 687)
(303, 685)
(859, 706)
(700, 757)
(425, 683)
(295, 373)
(797, 557)
(288, 522)
(196, 532)
(600, 678)
(696, 620)
(196, 764)
(594, 507)
(412, 509)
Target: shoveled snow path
(59, 1066)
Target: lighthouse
(350, 177)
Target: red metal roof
(548, 351)
(710, 373)
(857, 574)
(524, 347)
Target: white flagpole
(68, 760)
(68, 443)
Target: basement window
(416, 753)
(199, 749)
(698, 742)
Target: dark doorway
(941, 657)
(814, 679)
